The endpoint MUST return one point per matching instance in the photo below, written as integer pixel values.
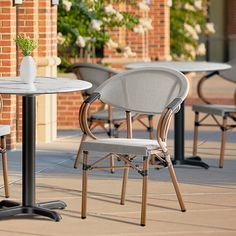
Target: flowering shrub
(85, 24)
(188, 23)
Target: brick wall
(231, 17)
(8, 63)
(231, 28)
(37, 19)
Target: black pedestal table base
(179, 158)
(192, 162)
(29, 206)
(11, 208)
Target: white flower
(139, 29)
(198, 28)
(60, 38)
(128, 52)
(210, 28)
(143, 6)
(110, 10)
(96, 24)
(66, 5)
(146, 23)
(198, 4)
(112, 44)
(80, 41)
(191, 50)
(189, 7)
(201, 50)
(118, 16)
(191, 31)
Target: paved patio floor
(210, 195)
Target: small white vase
(27, 70)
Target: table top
(42, 85)
(183, 66)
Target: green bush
(188, 24)
(85, 24)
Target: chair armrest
(200, 86)
(175, 104)
(163, 128)
(83, 114)
(92, 98)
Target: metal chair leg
(77, 160)
(4, 166)
(84, 185)
(195, 139)
(223, 141)
(175, 183)
(144, 191)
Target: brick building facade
(38, 18)
(151, 46)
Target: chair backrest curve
(93, 73)
(146, 90)
(230, 74)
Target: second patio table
(42, 85)
(184, 67)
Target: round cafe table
(42, 85)
(184, 67)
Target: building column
(47, 66)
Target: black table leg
(179, 158)
(29, 206)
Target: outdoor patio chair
(4, 131)
(108, 118)
(215, 111)
(149, 91)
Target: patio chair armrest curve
(174, 105)
(92, 98)
(200, 86)
(83, 114)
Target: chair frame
(113, 125)
(223, 125)
(3, 150)
(161, 154)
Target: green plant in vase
(28, 66)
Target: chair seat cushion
(117, 114)
(4, 130)
(121, 146)
(214, 109)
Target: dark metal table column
(29, 206)
(179, 143)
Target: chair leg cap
(83, 217)
(183, 210)
(142, 225)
